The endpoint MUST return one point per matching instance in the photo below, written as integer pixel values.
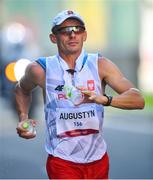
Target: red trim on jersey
(78, 132)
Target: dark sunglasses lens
(68, 30)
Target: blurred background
(121, 30)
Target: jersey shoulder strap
(42, 62)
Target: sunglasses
(69, 29)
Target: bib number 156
(76, 124)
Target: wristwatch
(109, 100)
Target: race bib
(72, 122)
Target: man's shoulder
(34, 69)
(104, 65)
(103, 60)
(35, 74)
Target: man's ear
(85, 36)
(53, 38)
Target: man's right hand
(24, 133)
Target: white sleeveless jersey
(74, 133)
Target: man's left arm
(128, 96)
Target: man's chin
(74, 50)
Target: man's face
(72, 42)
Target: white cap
(62, 16)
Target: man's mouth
(72, 43)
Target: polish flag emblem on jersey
(91, 85)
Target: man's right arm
(34, 76)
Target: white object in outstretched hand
(29, 126)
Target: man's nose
(72, 34)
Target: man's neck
(70, 58)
